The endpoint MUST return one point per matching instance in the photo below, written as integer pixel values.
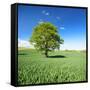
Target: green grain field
(60, 66)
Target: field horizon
(22, 48)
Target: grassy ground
(60, 66)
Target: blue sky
(71, 23)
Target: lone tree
(45, 37)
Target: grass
(60, 66)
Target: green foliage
(45, 37)
(64, 66)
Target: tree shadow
(22, 54)
(57, 56)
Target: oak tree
(45, 37)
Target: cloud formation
(45, 12)
(68, 45)
(24, 43)
(40, 21)
(62, 27)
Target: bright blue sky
(71, 23)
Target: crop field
(60, 66)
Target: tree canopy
(45, 37)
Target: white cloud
(62, 28)
(40, 21)
(58, 18)
(45, 12)
(73, 45)
(24, 43)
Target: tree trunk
(46, 50)
(46, 53)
